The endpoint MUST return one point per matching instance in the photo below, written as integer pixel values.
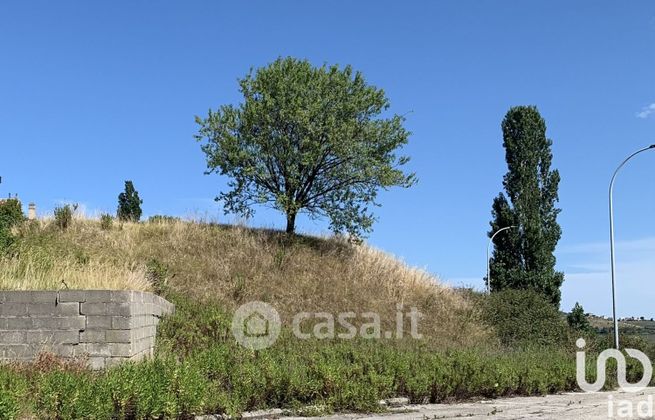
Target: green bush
(11, 214)
(524, 318)
(158, 218)
(64, 216)
(106, 221)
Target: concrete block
(12, 337)
(42, 309)
(118, 309)
(120, 349)
(93, 336)
(97, 296)
(121, 296)
(19, 296)
(10, 309)
(118, 336)
(121, 322)
(16, 351)
(52, 337)
(98, 322)
(93, 308)
(94, 350)
(97, 363)
(72, 296)
(23, 323)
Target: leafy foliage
(306, 139)
(524, 318)
(64, 215)
(523, 257)
(106, 221)
(11, 214)
(129, 204)
(577, 319)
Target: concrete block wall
(107, 326)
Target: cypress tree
(523, 256)
(129, 204)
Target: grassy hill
(229, 265)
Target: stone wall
(104, 325)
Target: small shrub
(524, 318)
(64, 216)
(157, 274)
(106, 221)
(158, 218)
(11, 214)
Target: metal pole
(612, 256)
(488, 247)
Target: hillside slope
(231, 265)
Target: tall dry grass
(231, 265)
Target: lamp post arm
(491, 240)
(612, 246)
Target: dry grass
(230, 265)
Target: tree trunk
(291, 222)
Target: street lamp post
(491, 240)
(612, 257)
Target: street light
(491, 240)
(612, 257)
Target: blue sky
(93, 93)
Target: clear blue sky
(93, 93)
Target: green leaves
(129, 204)
(523, 257)
(306, 139)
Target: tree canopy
(523, 256)
(129, 204)
(306, 139)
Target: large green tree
(523, 255)
(306, 139)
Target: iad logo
(601, 363)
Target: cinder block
(52, 337)
(98, 322)
(72, 323)
(23, 323)
(42, 309)
(72, 296)
(121, 322)
(10, 309)
(119, 309)
(98, 296)
(16, 351)
(12, 337)
(93, 308)
(92, 336)
(121, 296)
(19, 296)
(94, 350)
(97, 363)
(43, 296)
(68, 309)
(118, 336)
(120, 349)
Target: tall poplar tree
(523, 255)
